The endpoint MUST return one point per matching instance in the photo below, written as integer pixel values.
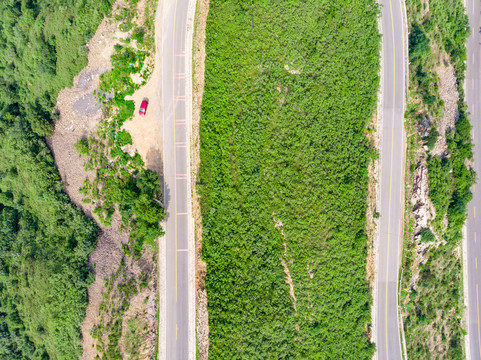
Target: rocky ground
(422, 208)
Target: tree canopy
(44, 239)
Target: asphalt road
(387, 326)
(473, 225)
(176, 178)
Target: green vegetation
(289, 90)
(433, 308)
(431, 138)
(44, 244)
(427, 235)
(44, 239)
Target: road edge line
(378, 175)
(162, 266)
(191, 231)
(402, 338)
(465, 288)
(464, 242)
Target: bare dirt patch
(292, 71)
(142, 310)
(449, 94)
(423, 213)
(289, 279)
(80, 115)
(202, 315)
(425, 8)
(146, 130)
(422, 207)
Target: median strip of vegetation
(439, 151)
(289, 91)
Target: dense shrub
(289, 90)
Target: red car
(143, 107)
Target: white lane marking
(477, 308)
(175, 154)
(390, 177)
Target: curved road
(473, 225)
(176, 50)
(392, 174)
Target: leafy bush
(431, 138)
(138, 35)
(123, 138)
(427, 235)
(440, 183)
(419, 47)
(82, 147)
